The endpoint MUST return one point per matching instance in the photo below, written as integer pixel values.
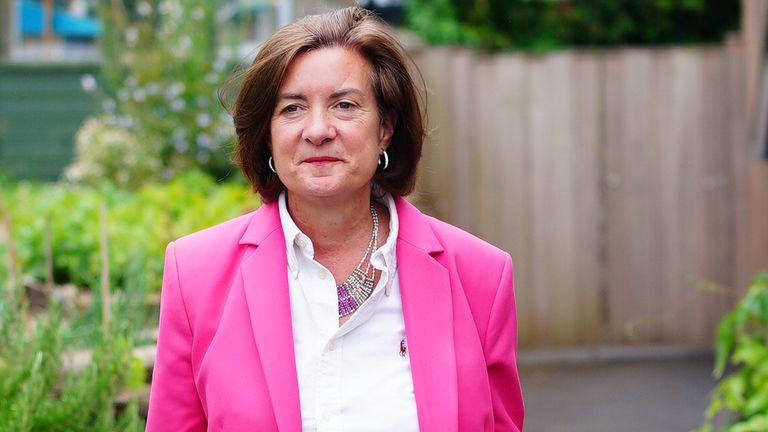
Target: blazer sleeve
(501, 356)
(174, 404)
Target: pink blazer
(225, 359)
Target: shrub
(158, 88)
(140, 223)
(742, 342)
(548, 24)
(107, 150)
(37, 393)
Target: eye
(345, 105)
(292, 108)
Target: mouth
(321, 160)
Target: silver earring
(271, 165)
(386, 160)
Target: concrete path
(620, 396)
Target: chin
(328, 189)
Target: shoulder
(214, 254)
(456, 239)
(452, 242)
(224, 233)
(229, 235)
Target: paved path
(620, 396)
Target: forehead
(327, 69)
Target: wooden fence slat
(616, 179)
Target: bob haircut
(396, 94)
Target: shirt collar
(291, 232)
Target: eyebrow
(346, 91)
(336, 94)
(289, 95)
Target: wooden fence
(616, 179)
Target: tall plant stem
(6, 230)
(106, 300)
(48, 256)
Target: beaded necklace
(359, 285)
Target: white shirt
(355, 377)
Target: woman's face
(326, 132)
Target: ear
(387, 129)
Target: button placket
(329, 388)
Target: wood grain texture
(616, 179)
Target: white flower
(124, 122)
(180, 146)
(131, 36)
(198, 13)
(144, 9)
(203, 120)
(185, 43)
(178, 105)
(174, 90)
(152, 88)
(123, 94)
(131, 81)
(139, 95)
(108, 105)
(211, 78)
(88, 82)
(203, 157)
(203, 140)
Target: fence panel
(610, 176)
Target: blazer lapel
(428, 313)
(265, 282)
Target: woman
(337, 305)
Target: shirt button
(302, 242)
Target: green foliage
(547, 24)
(37, 393)
(742, 342)
(140, 224)
(158, 85)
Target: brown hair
(395, 90)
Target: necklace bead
(358, 286)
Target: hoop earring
(271, 165)
(386, 160)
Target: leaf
(724, 342)
(754, 424)
(757, 403)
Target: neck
(332, 224)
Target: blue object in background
(32, 18)
(68, 26)
(64, 25)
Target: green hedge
(549, 24)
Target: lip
(321, 160)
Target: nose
(318, 128)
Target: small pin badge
(403, 348)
